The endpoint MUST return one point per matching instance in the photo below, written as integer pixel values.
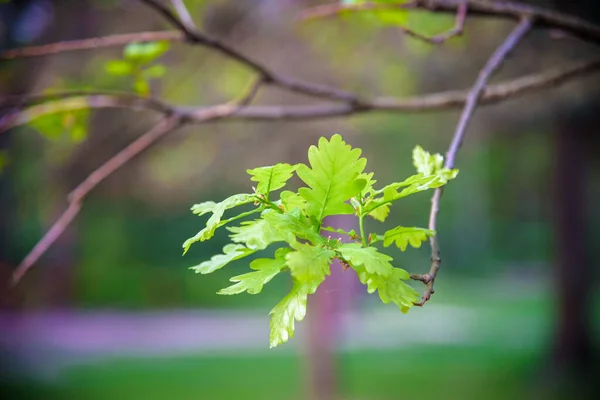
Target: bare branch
(541, 17)
(172, 121)
(184, 14)
(76, 197)
(456, 30)
(70, 101)
(491, 66)
(196, 37)
(91, 44)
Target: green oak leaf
(309, 264)
(256, 235)
(369, 183)
(373, 261)
(415, 184)
(402, 236)
(272, 177)
(332, 178)
(294, 224)
(119, 67)
(214, 222)
(265, 270)
(380, 213)
(231, 252)
(291, 200)
(145, 52)
(427, 163)
(292, 308)
(351, 233)
(203, 208)
(391, 288)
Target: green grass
(436, 372)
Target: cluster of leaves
(137, 64)
(336, 184)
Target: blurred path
(44, 343)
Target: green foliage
(54, 126)
(403, 236)
(392, 17)
(135, 64)
(333, 178)
(336, 184)
(253, 282)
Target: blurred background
(112, 310)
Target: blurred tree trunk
(324, 319)
(573, 347)
(575, 135)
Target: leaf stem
(361, 225)
(269, 203)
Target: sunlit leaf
(231, 252)
(272, 177)
(309, 264)
(256, 235)
(119, 67)
(265, 270)
(332, 178)
(145, 52)
(291, 200)
(283, 316)
(293, 224)
(373, 261)
(402, 236)
(427, 163)
(391, 288)
(214, 222)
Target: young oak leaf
(403, 236)
(380, 213)
(351, 233)
(253, 282)
(416, 183)
(390, 289)
(427, 163)
(293, 224)
(272, 177)
(291, 200)
(257, 234)
(369, 183)
(332, 178)
(203, 208)
(292, 308)
(231, 252)
(367, 257)
(214, 222)
(309, 264)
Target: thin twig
(90, 44)
(184, 14)
(268, 77)
(491, 66)
(76, 197)
(71, 101)
(172, 121)
(544, 18)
